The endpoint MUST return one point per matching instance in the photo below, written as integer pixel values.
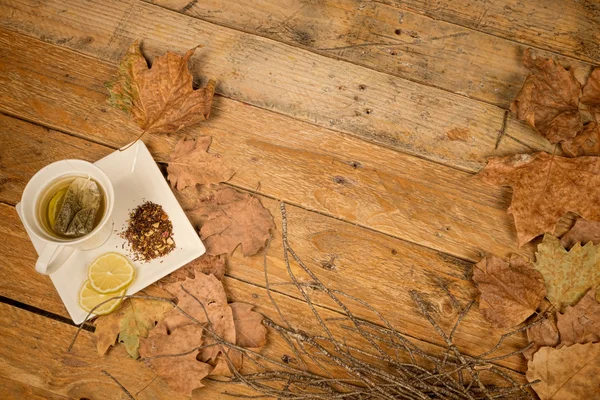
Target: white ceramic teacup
(58, 250)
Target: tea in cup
(67, 205)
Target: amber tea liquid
(48, 193)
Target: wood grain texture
(383, 38)
(373, 106)
(13, 390)
(570, 27)
(309, 166)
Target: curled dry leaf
(173, 356)
(542, 334)
(205, 296)
(160, 99)
(545, 188)
(568, 274)
(132, 321)
(549, 99)
(231, 218)
(191, 164)
(568, 373)
(583, 232)
(580, 323)
(204, 264)
(510, 291)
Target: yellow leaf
(568, 274)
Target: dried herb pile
(149, 232)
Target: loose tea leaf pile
(149, 232)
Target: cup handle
(52, 258)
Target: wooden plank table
(369, 119)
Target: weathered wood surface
(10, 389)
(373, 106)
(312, 167)
(567, 27)
(320, 102)
(365, 264)
(389, 39)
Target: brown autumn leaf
(542, 334)
(191, 164)
(568, 373)
(510, 291)
(549, 99)
(166, 353)
(583, 231)
(546, 187)
(567, 274)
(160, 99)
(586, 143)
(201, 297)
(132, 321)
(230, 218)
(222, 366)
(249, 330)
(591, 91)
(204, 264)
(580, 323)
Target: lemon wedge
(89, 298)
(111, 272)
(55, 204)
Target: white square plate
(135, 178)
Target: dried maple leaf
(583, 231)
(549, 99)
(542, 334)
(132, 321)
(591, 91)
(545, 188)
(204, 295)
(204, 264)
(587, 143)
(249, 330)
(568, 373)
(160, 99)
(191, 164)
(568, 274)
(510, 291)
(231, 218)
(580, 323)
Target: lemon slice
(55, 204)
(89, 298)
(111, 272)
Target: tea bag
(79, 208)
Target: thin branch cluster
(354, 359)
